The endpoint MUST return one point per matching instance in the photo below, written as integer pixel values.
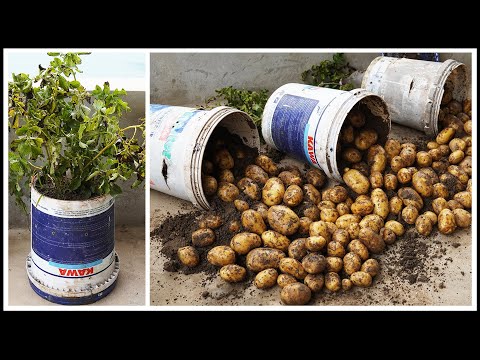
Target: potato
(316, 177)
(233, 273)
(446, 222)
(188, 256)
(372, 221)
(351, 263)
(392, 148)
(227, 192)
(335, 249)
(209, 185)
(376, 179)
(263, 258)
(440, 190)
(315, 243)
(207, 167)
(334, 264)
(439, 204)
(432, 216)
(409, 145)
(265, 279)
(244, 242)
(249, 188)
(424, 225)
(458, 172)
(397, 163)
(221, 256)
(356, 118)
(396, 227)
(295, 170)
(454, 204)
(440, 166)
(304, 227)
(466, 165)
(234, 226)
(273, 192)
(454, 107)
(357, 247)
(288, 178)
(315, 282)
(338, 194)
(468, 141)
(469, 186)
(445, 136)
(463, 117)
(435, 154)
(447, 96)
(314, 263)
(444, 150)
(223, 159)
(285, 279)
(241, 205)
(456, 157)
(203, 237)
(326, 204)
(297, 249)
(346, 284)
(283, 220)
(352, 155)
(344, 221)
(371, 240)
(467, 106)
(331, 227)
(266, 164)
(341, 208)
(262, 209)
(463, 218)
(341, 236)
(404, 176)
(329, 215)
(373, 151)
(356, 181)
(410, 196)
(257, 174)
(464, 198)
(275, 240)
(452, 182)
(361, 279)
(409, 214)
(388, 236)
(210, 221)
(292, 267)
(422, 183)
(424, 159)
(311, 194)
(432, 145)
(408, 156)
(295, 294)
(365, 139)
(457, 144)
(371, 267)
(379, 163)
(362, 166)
(380, 203)
(293, 195)
(395, 205)
(389, 181)
(353, 230)
(252, 221)
(320, 228)
(226, 175)
(347, 134)
(311, 211)
(467, 127)
(333, 282)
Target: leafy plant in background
(68, 139)
(330, 73)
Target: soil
(61, 192)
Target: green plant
(68, 140)
(330, 73)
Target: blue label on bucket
(290, 125)
(61, 240)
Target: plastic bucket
(178, 137)
(72, 259)
(413, 89)
(305, 121)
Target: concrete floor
(449, 275)
(130, 288)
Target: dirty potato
(257, 174)
(266, 164)
(295, 294)
(241, 205)
(351, 263)
(466, 165)
(326, 204)
(314, 263)
(396, 227)
(292, 267)
(446, 221)
(365, 139)
(424, 159)
(347, 134)
(285, 279)
(273, 239)
(408, 155)
(315, 282)
(311, 194)
(432, 216)
(341, 236)
(262, 209)
(297, 249)
(356, 181)
(423, 225)
(233, 273)
(463, 218)
(346, 284)
(361, 166)
(265, 279)
(335, 249)
(343, 221)
(333, 282)
(304, 227)
(316, 177)
(188, 256)
(409, 214)
(467, 127)
(338, 194)
(227, 192)
(253, 222)
(334, 264)
(357, 247)
(388, 236)
(207, 167)
(293, 195)
(223, 159)
(464, 198)
(244, 242)
(371, 266)
(361, 279)
(372, 240)
(221, 256)
(353, 230)
(288, 178)
(210, 221)
(445, 136)
(315, 243)
(456, 157)
(379, 163)
(397, 163)
(310, 210)
(249, 188)
(457, 144)
(395, 205)
(263, 258)
(459, 173)
(226, 175)
(380, 203)
(410, 196)
(454, 204)
(273, 192)
(422, 183)
(234, 226)
(209, 185)
(372, 221)
(439, 204)
(329, 215)
(390, 182)
(404, 176)
(392, 148)
(203, 237)
(440, 190)
(376, 179)
(352, 155)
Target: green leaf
(115, 189)
(81, 129)
(74, 84)
(53, 53)
(82, 145)
(92, 175)
(76, 182)
(63, 82)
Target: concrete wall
(129, 206)
(189, 79)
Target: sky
(121, 69)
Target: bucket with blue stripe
(305, 122)
(72, 259)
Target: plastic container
(305, 121)
(72, 259)
(178, 137)
(413, 89)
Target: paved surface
(130, 288)
(447, 271)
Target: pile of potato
(305, 238)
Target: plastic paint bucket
(413, 89)
(305, 121)
(178, 138)
(72, 259)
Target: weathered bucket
(413, 89)
(305, 121)
(72, 259)
(178, 137)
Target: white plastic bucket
(413, 89)
(178, 137)
(72, 258)
(305, 121)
